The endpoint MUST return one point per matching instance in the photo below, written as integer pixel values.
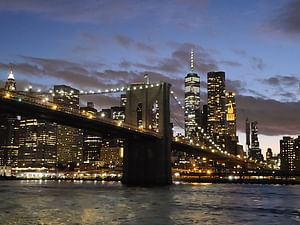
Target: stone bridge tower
(147, 160)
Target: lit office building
(288, 153)
(37, 141)
(297, 153)
(69, 139)
(216, 102)
(192, 101)
(91, 141)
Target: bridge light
(141, 87)
(134, 88)
(209, 172)
(99, 91)
(157, 84)
(7, 95)
(151, 85)
(81, 91)
(172, 92)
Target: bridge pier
(147, 160)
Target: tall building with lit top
(216, 103)
(231, 115)
(10, 84)
(192, 101)
(69, 139)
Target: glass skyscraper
(192, 101)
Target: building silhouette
(192, 101)
(254, 151)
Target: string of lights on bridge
(141, 87)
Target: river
(52, 202)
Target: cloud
(286, 20)
(274, 117)
(257, 63)
(127, 42)
(107, 11)
(282, 80)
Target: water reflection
(50, 202)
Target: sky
(96, 44)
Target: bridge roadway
(24, 105)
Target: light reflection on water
(50, 202)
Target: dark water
(49, 202)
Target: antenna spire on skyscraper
(192, 60)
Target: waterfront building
(216, 103)
(91, 141)
(69, 139)
(297, 153)
(192, 101)
(288, 154)
(37, 141)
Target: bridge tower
(147, 160)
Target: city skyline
(90, 43)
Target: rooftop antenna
(192, 60)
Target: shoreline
(176, 180)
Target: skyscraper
(255, 151)
(69, 139)
(10, 84)
(192, 100)
(287, 154)
(231, 115)
(248, 135)
(216, 103)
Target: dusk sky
(103, 43)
